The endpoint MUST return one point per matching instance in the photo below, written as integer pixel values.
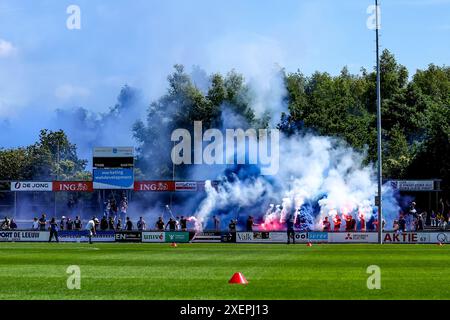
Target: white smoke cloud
(258, 58)
(318, 169)
(7, 49)
(69, 91)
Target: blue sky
(44, 66)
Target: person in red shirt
(375, 224)
(337, 222)
(353, 224)
(362, 222)
(349, 223)
(326, 224)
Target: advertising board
(353, 237)
(177, 236)
(73, 186)
(31, 186)
(149, 236)
(24, 236)
(261, 237)
(207, 237)
(185, 186)
(416, 237)
(82, 236)
(120, 178)
(128, 236)
(412, 185)
(154, 186)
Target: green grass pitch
(202, 271)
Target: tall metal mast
(379, 173)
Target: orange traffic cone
(238, 278)
(173, 244)
(309, 244)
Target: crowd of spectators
(115, 218)
(411, 219)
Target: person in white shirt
(90, 228)
(35, 225)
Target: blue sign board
(120, 178)
(317, 235)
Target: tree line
(415, 120)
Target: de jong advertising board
(31, 186)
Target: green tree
(52, 157)
(183, 104)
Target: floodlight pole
(379, 173)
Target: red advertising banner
(154, 186)
(73, 186)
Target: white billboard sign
(113, 152)
(31, 186)
(412, 185)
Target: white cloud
(68, 91)
(6, 49)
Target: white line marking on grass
(34, 248)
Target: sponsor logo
(120, 178)
(208, 237)
(153, 236)
(113, 152)
(185, 186)
(360, 236)
(263, 237)
(442, 237)
(411, 185)
(120, 236)
(317, 235)
(31, 186)
(154, 186)
(131, 236)
(354, 237)
(245, 236)
(207, 234)
(228, 237)
(73, 186)
(83, 235)
(301, 236)
(177, 236)
(24, 236)
(401, 237)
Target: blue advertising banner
(318, 236)
(120, 178)
(83, 236)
